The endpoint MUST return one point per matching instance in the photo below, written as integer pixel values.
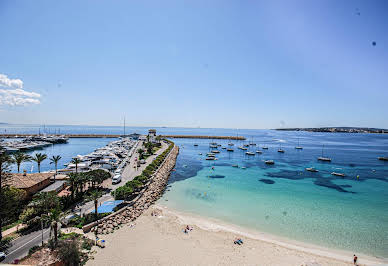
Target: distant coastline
(339, 130)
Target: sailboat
(280, 149)
(298, 147)
(324, 159)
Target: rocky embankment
(150, 195)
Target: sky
(225, 64)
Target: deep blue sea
(348, 213)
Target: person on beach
(355, 259)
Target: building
(152, 135)
(30, 183)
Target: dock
(117, 136)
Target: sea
(347, 213)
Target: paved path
(128, 174)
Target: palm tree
(38, 158)
(72, 181)
(20, 158)
(55, 160)
(54, 219)
(94, 196)
(75, 161)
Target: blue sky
(233, 64)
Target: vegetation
(20, 158)
(75, 161)
(79, 222)
(69, 252)
(128, 191)
(54, 160)
(5, 162)
(94, 196)
(39, 158)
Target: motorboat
(312, 169)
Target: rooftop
(27, 180)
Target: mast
(124, 126)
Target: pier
(117, 136)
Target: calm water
(345, 213)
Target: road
(21, 245)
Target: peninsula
(338, 129)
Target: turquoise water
(345, 213)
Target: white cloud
(14, 94)
(11, 83)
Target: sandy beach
(157, 238)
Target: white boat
(230, 144)
(269, 162)
(259, 152)
(215, 151)
(210, 158)
(338, 174)
(235, 165)
(230, 150)
(250, 153)
(265, 148)
(298, 147)
(311, 169)
(324, 159)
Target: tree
(5, 161)
(75, 161)
(69, 252)
(141, 152)
(72, 181)
(54, 219)
(94, 196)
(38, 158)
(20, 158)
(98, 176)
(54, 160)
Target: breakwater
(117, 136)
(151, 194)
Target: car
(142, 161)
(2, 256)
(116, 179)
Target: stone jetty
(151, 194)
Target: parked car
(142, 161)
(2, 256)
(116, 179)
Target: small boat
(195, 145)
(324, 159)
(250, 153)
(252, 144)
(311, 169)
(199, 153)
(338, 174)
(243, 167)
(215, 151)
(230, 144)
(235, 165)
(265, 148)
(246, 145)
(213, 146)
(280, 149)
(230, 150)
(223, 148)
(269, 162)
(244, 149)
(383, 158)
(260, 152)
(210, 158)
(298, 147)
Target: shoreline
(156, 237)
(215, 225)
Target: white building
(152, 135)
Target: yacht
(311, 169)
(235, 165)
(250, 153)
(338, 174)
(324, 159)
(230, 150)
(265, 148)
(269, 162)
(230, 144)
(224, 148)
(210, 158)
(215, 151)
(383, 158)
(244, 148)
(259, 152)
